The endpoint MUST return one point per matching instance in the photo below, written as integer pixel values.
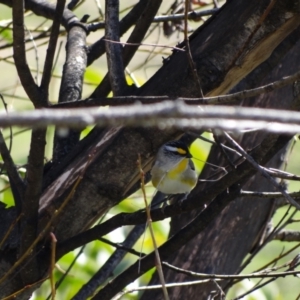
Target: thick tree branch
(114, 51)
(162, 115)
(29, 222)
(71, 85)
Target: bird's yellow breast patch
(178, 169)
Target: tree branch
(15, 179)
(19, 55)
(71, 85)
(34, 178)
(162, 115)
(261, 170)
(107, 269)
(114, 51)
(191, 15)
(287, 236)
(52, 46)
(234, 98)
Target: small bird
(173, 171)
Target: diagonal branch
(107, 269)
(16, 181)
(261, 170)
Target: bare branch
(24, 73)
(287, 236)
(262, 171)
(234, 98)
(71, 84)
(114, 51)
(107, 269)
(268, 195)
(191, 15)
(52, 46)
(282, 174)
(17, 183)
(34, 177)
(261, 274)
(164, 115)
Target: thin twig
(262, 171)
(52, 264)
(9, 230)
(149, 223)
(260, 274)
(191, 15)
(267, 195)
(281, 174)
(145, 44)
(26, 287)
(158, 286)
(234, 98)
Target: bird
(173, 171)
